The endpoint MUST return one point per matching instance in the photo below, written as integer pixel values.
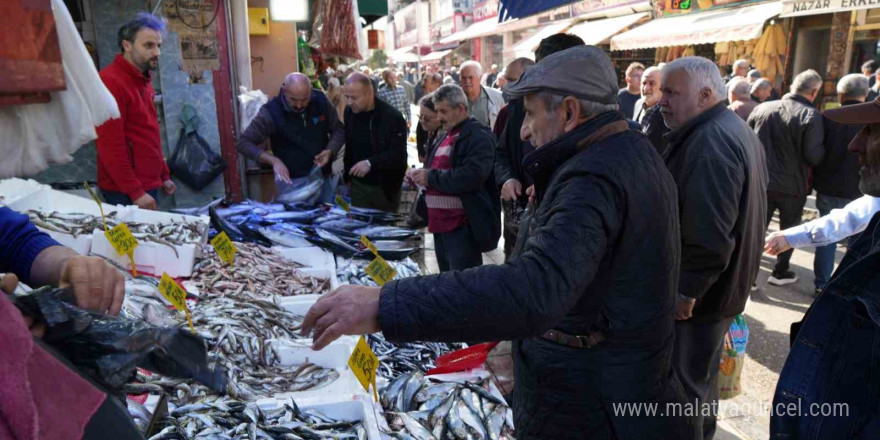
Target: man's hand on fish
(348, 310)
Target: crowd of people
(634, 224)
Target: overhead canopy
(811, 7)
(476, 30)
(509, 9)
(526, 48)
(435, 56)
(735, 24)
(373, 7)
(404, 55)
(596, 32)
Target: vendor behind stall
(304, 130)
(41, 396)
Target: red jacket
(129, 148)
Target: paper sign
(364, 363)
(124, 243)
(174, 293)
(380, 271)
(342, 203)
(369, 244)
(224, 247)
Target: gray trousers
(695, 358)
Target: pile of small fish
(353, 271)
(258, 272)
(398, 359)
(224, 418)
(426, 409)
(74, 224)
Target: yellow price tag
(364, 363)
(380, 271)
(225, 247)
(174, 293)
(342, 203)
(124, 243)
(369, 244)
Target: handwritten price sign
(176, 295)
(343, 204)
(224, 247)
(380, 271)
(364, 363)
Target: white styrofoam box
(323, 274)
(298, 305)
(352, 408)
(49, 200)
(333, 356)
(311, 256)
(154, 258)
(14, 189)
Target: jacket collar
(680, 134)
(131, 71)
(850, 102)
(798, 98)
(286, 105)
(543, 161)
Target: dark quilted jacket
(600, 254)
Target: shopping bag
(733, 358)
(193, 162)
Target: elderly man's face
(448, 115)
(429, 119)
(541, 126)
(681, 100)
(763, 93)
(298, 96)
(358, 97)
(470, 82)
(651, 88)
(741, 70)
(867, 145)
(390, 79)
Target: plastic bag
(341, 34)
(251, 103)
(109, 349)
(305, 190)
(732, 358)
(318, 24)
(193, 162)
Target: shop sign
(560, 13)
(444, 28)
(485, 10)
(813, 7)
(592, 6)
(406, 28)
(676, 7)
(448, 8)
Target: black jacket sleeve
(524, 297)
(337, 130)
(813, 148)
(392, 156)
(470, 174)
(503, 170)
(709, 203)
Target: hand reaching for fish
(348, 310)
(323, 158)
(281, 171)
(97, 285)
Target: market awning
(734, 24)
(526, 48)
(596, 32)
(404, 55)
(476, 30)
(509, 9)
(372, 7)
(813, 7)
(435, 56)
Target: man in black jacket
(647, 112)
(589, 297)
(375, 147)
(791, 131)
(303, 127)
(464, 212)
(836, 180)
(718, 166)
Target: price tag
(369, 244)
(174, 293)
(364, 363)
(342, 203)
(124, 243)
(224, 247)
(380, 271)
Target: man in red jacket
(131, 168)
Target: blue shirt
(20, 243)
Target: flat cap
(584, 72)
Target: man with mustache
(647, 112)
(131, 168)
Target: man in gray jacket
(719, 170)
(792, 134)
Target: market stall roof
(598, 31)
(404, 55)
(509, 9)
(436, 56)
(734, 24)
(373, 7)
(526, 48)
(476, 30)
(797, 8)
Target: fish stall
(247, 310)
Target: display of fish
(74, 224)
(352, 271)
(424, 408)
(303, 217)
(305, 189)
(385, 232)
(403, 358)
(258, 272)
(285, 234)
(333, 243)
(199, 210)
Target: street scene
(440, 220)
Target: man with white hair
(490, 76)
(762, 90)
(484, 103)
(740, 68)
(791, 131)
(647, 112)
(738, 93)
(718, 165)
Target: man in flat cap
(588, 297)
